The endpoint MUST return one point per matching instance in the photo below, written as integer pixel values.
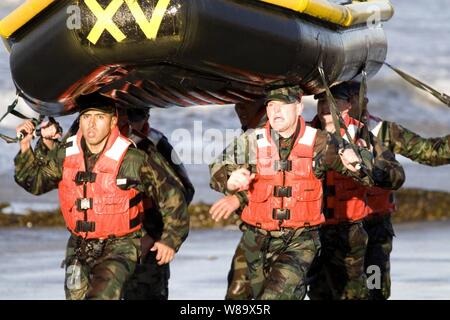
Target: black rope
(445, 99)
(10, 108)
(337, 120)
(362, 114)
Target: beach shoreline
(412, 205)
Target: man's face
(139, 125)
(356, 110)
(323, 111)
(96, 126)
(283, 116)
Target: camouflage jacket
(166, 150)
(399, 140)
(157, 146)
(40, 171)
(385, 172)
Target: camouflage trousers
(150, 281)
(338, 273)
(98, 269)
(278, 261)
(238, 282)
(379, 248)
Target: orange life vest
(284, 193)
(379, 201)
(346, 199)
(93, 205)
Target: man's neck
(98, 148)
(288, 133)
(330, 128)
(94, 149)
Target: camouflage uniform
(399, 140)
(338, 273)
(278, 261)
(238, 284)
(273, 258)
(102, 277)
(106, 265)
(150, 281)
(428, 151)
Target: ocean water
(418, 39)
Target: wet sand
(30, 260)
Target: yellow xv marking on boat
(105, 22)
(150, 28)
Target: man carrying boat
(276, 170)
(101, 180)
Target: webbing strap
(362, 113)
(10, 108)
(333, 109)
(136, 200)
(21, 135)
(445, 99)
(337, 119)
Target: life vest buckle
(283, 165)
(85, 226)
(281, 191)
(281, 214)
(85, 177)
(84, 204)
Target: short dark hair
(137, 114)
(343, 91)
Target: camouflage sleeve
(243, 200)
(238, 154)
(157, 158)
(39, 171)
(382, 169)
(326, 157)
(173, 160)
(170, 200)
(428, 151)
(387, 172)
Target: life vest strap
(136, 221)
(136, 200)
(331, 190)
(89, 226)
(88, 203)
(328, 213)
